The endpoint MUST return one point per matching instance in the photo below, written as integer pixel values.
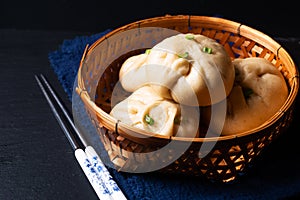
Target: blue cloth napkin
(274, 175)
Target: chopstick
(94, 169)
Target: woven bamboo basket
(131, 149)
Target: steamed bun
(147, 110)
(191, 69)
(258, 93)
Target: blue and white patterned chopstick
(96, 172)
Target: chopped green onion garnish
(189, 37)
(247, 92)
(149, 120)
(183, 55)
(147, 51)
(207, 50)
(176, 120)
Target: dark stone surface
(36, 160)
(270, 17)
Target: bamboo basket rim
(226, 25)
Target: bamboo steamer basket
(128, 148)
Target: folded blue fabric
(270, 178)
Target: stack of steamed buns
(188, 74)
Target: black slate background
(271, 17)
(36, 160)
